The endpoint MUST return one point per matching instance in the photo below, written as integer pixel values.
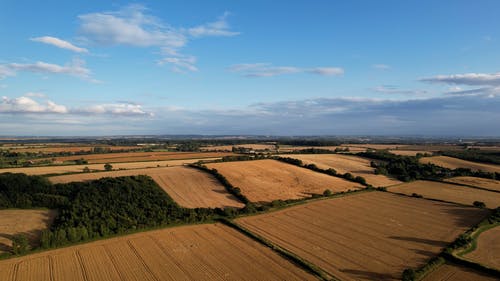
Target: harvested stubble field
(201, 252)
(190, 188)
(409, 152)
(56, 149)
(28, 222)
(479, 182)
(453, 163)
(449, 192)
(355, 165)
(487, 251)
(268, 180)
(64, 169)
(367, 236)
(254, 146)
(451, 272)
(138, 156)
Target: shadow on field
(421, 241)
(3, 246)
(465, 216)
(368, 275)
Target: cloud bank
(59, 43)
(268, 70)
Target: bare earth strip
(268, 180)
(99, 167)
(453, 163)
(488, 248)
(201, 252)
(449, 272)
(367, 236)
(479, 182)
(188, 187)
(28, 222)
(449, 192)
(357, 166)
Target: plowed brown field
(188, 187)
(28, 222)
(99, 167)
(347, 164)
(201, 252)
(139, 156)
(367, 236)
(487, 251)
(453, 163)
(449, 272)
(449, 192)
(268, 180)
(479, 182)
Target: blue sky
(250, 67)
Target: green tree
(327, 192)
(19, 244)
(108, 167)
(86, 170)
(479, 204)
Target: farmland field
(138, 156)
(367, 236)
(453, 163)
(450, 272)
(67, 148)
(488, 248)
(449, 192)
(479, 182)
(268, 180)
(28, 222)
(201, 252)
(99, 167)
(346, 164)
(190, 188)
(254, 146)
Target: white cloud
(389, 89)
(59, 43)
(216, 28)
(381, 66)
(35, 95)
(471, 79)
(5, 71)
(27, 105)
(75, 68)
(268, 70)
(327, 71)
(124, 109)
(133, 26)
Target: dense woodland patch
(89, 210)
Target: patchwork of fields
(369, 236)
(201, 252)
(454, 163)
(268, 180)
(362, 236)
(189, 187)
(346, 164)
(449, 192)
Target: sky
(317, 67)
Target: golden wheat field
(449, 192)
(63, 169)
(355, 165)
(367, 236)
(28, 222)
(479, 182)
(454, 163)
(487, 251)
(189, 187)
(451, 272)
(201, 252)
(137, 156)
(268, 180)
